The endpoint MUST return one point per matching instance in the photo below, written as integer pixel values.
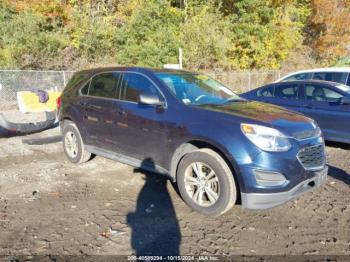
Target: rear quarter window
(265, 92)
(77, 79)
(85, 89)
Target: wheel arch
(81, 129)
(193, 145)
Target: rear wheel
(73, 144)
(206, 182)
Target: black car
(217, 146)
(326, 102)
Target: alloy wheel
(202, 184)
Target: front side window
(287, 91)
(321, 94)
(196, 89)
(331, 76)
(135, 84)
(104, 85)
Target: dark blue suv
(217, 146)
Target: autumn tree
(329, 29)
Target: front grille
(312, 157)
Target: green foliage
(27, 38)
(150, 36)
(94, 37)
(264, 32)
(206, 39)
(228, 34)
(345, 61)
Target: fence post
(64, 79)
(250, 80)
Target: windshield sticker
(186, 101)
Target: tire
(70, 130)
(206, 203)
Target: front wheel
(206, 182)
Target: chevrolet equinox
(218, 147)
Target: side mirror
(345, 100)
(154, 100)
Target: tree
(329, 29)
(263, 32)
(150, 35)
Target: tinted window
(302, 76)
(287, 91)
(77, 79)
(265, 92)
(135, 84)
(348, 83)
(319, 93)
(85, 89)
(333, 77)
(104, 85)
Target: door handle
(308, 106)
(121, 112)
(95, 107)
(82, 103)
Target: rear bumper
(270, 200)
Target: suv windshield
(197, 89)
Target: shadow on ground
(154, 225)
(339, 174)
(42, 140)
(338, 145)
(336, 172)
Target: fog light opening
(312, 184)
(269, 178)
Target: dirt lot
(50, 206)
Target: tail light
(58, 102)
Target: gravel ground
(50, 206)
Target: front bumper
(270, 200)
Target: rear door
(100, 109)
(287, 95)
(321, 102)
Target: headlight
(266, 138)
(318, 131)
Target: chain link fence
(12, 81)
(243, 81)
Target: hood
(288, 122)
